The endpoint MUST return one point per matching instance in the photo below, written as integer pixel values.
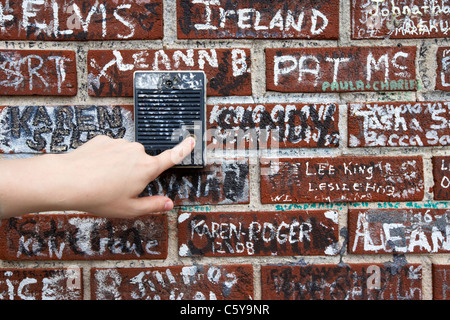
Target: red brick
(41, 284)
(398, 19)
(82, 20)
(220, 182)
(83, 237)
(263, 19)
(441, 176)
(53, 129)
(346, 69)
(441, 281)
(399, 124)
(388, 281)
(293, 125)
(258, 233)
(443, 69)
(231, 282)
(38, 72)
(341, 179)
(110, 72)
(398, 231)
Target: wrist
(57, 181)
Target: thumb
(151, 204)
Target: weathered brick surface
(399, 124)
(52, 129)
(262, 19)
(258, 233)
(81, 20)
(399, 19)
(341, 179)
(389, 281)
(110, 72)
(231, 282)
(441, 176)
(83, 237)
(343, 69)
(38, 72)
(441, 281)
(270, 126)
(282, 181)
(398, 231)
(220, 182)
(41, 284)
(443, 69)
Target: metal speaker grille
(161, 112)
(168, 107)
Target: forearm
(32, 185)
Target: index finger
(171, 157)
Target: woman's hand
(104, 177)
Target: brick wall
(337, 186)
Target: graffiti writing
(52, 129)
(56, 237)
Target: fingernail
(193, 140)
(168, 205)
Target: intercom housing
(169, 106)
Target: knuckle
(119, 140)
(100, 138)
(137, 146)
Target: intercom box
(169, 106)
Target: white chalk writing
(297, 124)
(203, 59)
(223, 183)
(34, 129)
(402, 231)
(402, 124)
(342, 179)
(32, 71)
(191, 282)
(349, 282)
(399, 19)
(444, 75)
(39, 19)
(260, 20)
(332, 74)
(36, 285)
(261, 235)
